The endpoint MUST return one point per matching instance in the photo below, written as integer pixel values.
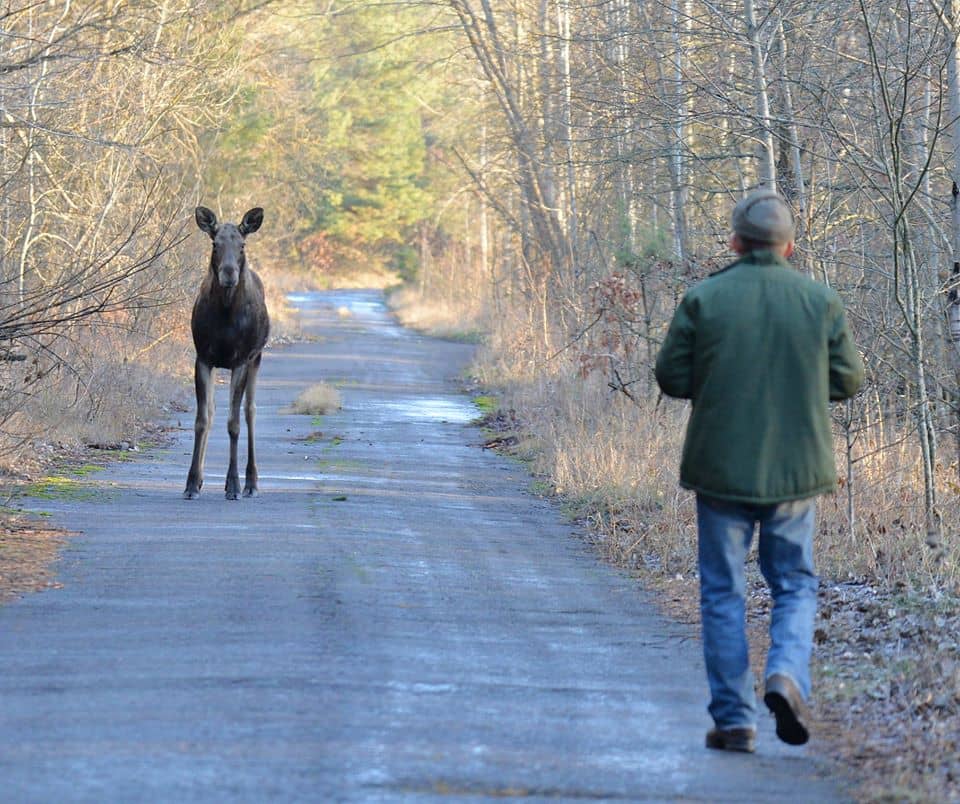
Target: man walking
(760, 350)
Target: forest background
(545, 176)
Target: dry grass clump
(105, 385)
(614, 461)
(459, 317)
(317, 400)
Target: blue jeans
(786, 561)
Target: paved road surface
(437, 635)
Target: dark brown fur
(230, 328)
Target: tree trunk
(566, 124)
(678, 195)
(953, 297)
(799, 193)
(768, 164)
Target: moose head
(227, 260)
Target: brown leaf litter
(27, 554)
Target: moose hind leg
(203, 381)
(238, 383)
(251, 486)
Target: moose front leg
(251, 488)
(203, 380)
(238, 384)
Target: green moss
(542, 488)
(465, 336)
(56, 487)
(335, 441)
(486, 404)
(86, 469)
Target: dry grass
(612, 460)
(105, 385)
(458, 318)
(317, 400)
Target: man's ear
(788, 250)
(736, 244)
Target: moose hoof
(232, 488)
(251, 491)
(191, 494)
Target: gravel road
(396, 618)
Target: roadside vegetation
(547, 177)
(317, 400)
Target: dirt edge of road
(28, 550)
(30, 546)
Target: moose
(230, 326)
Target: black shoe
(738, 739)
(784, 700)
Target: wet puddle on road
(435, 409)
(367, 309)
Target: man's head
(762, 219)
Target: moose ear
(251, 221)
(207, 221)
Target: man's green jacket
(760, 350)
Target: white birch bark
(620, 17)
(678, 196)
(768, 166)
(566, 123)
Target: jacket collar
(763, 256)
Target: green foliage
(374, 186)
(405, 262)
(338, 135)
(487, 404)
(652, 244)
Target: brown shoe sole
(782, 699)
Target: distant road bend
(394, 619)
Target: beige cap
(764, 217)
